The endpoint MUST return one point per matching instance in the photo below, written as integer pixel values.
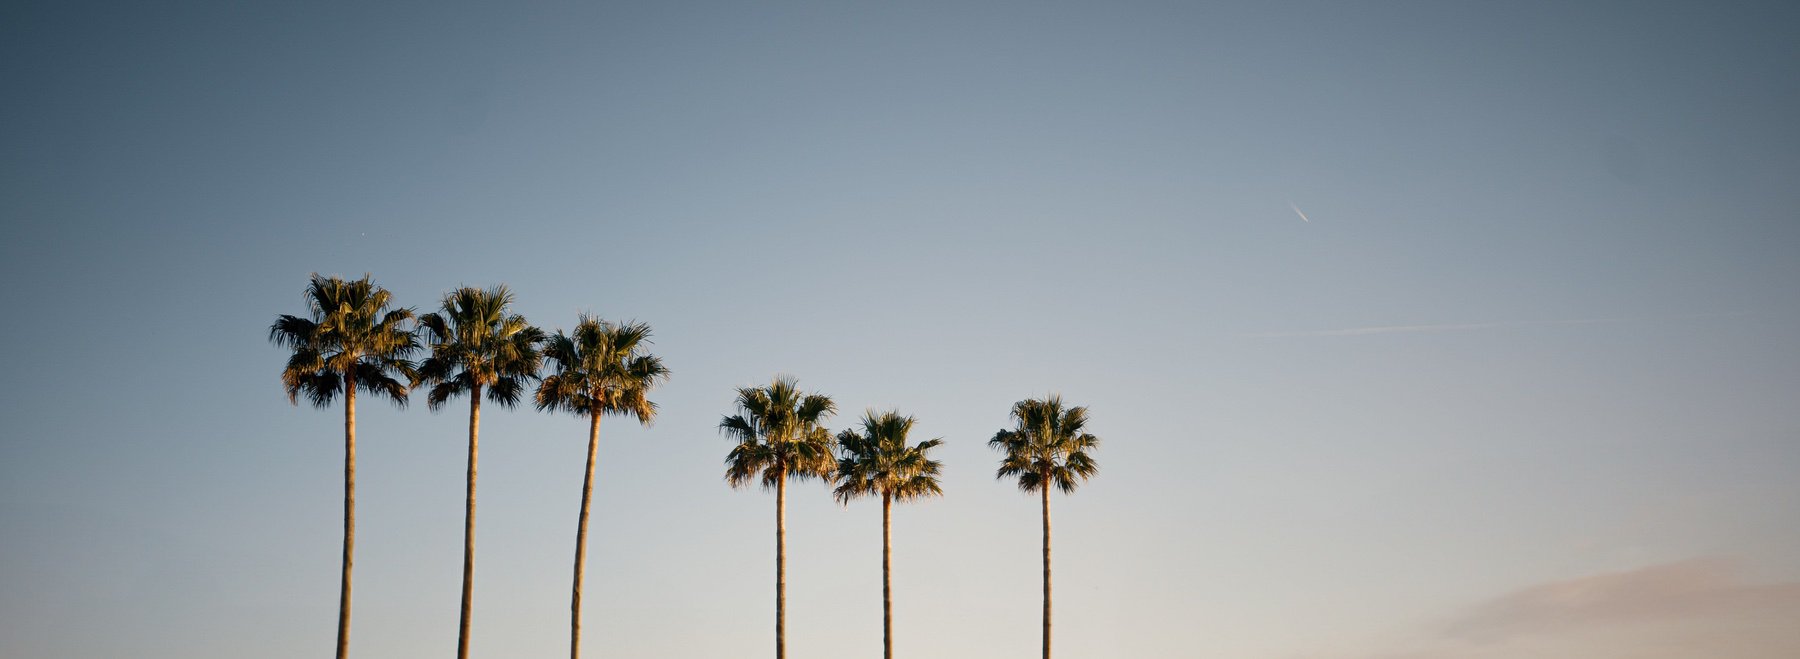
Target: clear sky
(1522, 381)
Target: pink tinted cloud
(1686, 590)
(1681, 610)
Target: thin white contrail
(1297, 212)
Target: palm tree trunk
(587, 494)
(468, 572)
(887, 576)
(781, 564)
(343, 635)
(1046, 491)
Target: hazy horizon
(1446, 330)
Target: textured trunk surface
(587, 494)
(781, 565)
(343, 635)
(468, 572)
(1046, 568)
(887, 576)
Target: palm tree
(1047, 448)
(779, 436)
(350, 340)
(600, 369)
(475, 346)
(878, 461)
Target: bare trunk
(887, 576)
(343, 634)
(468, 575)
(587, 494)
(1046, 490)
(781, 564)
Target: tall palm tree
(1047, 447)
(878, 461)
(601, 369)
(476, 346)
(349, 340)
(779, 434)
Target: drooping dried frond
(349, 337)
(601, 368)
(779, 432)
(475, 343)
(1047, 447)
(878, 462)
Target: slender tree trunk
(887, 576)
(587, 494)
(343, 635)
(468, 575)
(1046, 491)
(781, 564)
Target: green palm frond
(476, 344)
(746, 462)
(779, 433)
(446, 389)
(293, 332)
(349, 336)
(877, 461)
(600, 368)
(738, 428)
(376, 379)
(507, 391)
(1047, 447)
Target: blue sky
(1536, 330)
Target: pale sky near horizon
(1440, 329)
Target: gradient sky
(1523, 383)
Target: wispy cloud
(1444, 327)
(1684, 590)
(1691, 608)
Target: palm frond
(739, 428)
(783, 430)
(350, 332)
(445, 389)
(599, 367)
(292, 332)
(877, 460)
(476, 345)
(371, 377)
(507, 391)
(1047, 447)
(749, 461)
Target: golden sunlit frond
(1047, 446)
(351, 338)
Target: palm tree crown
(351, 338)
(601, 368)
(779, 434)
(1047, 446)
(476, 345)
(877, 461)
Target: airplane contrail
(1297, 212)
